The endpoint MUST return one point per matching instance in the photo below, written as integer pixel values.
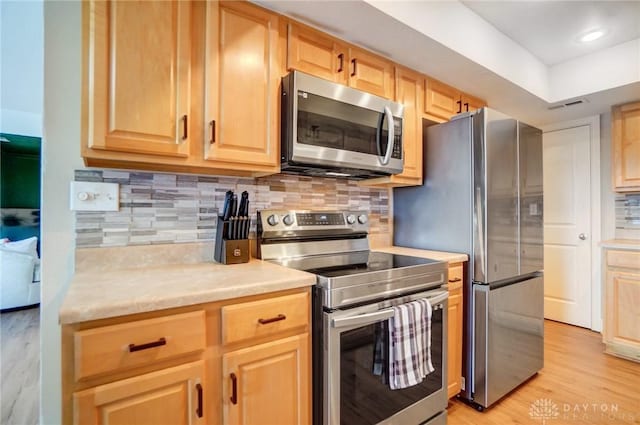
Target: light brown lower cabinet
(174, 367)
(169, 396)
(454, 329)
(268, 382)
(622, 304)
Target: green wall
(20, 172)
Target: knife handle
(226, 208)
(234, 205)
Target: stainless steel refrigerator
(482, 195)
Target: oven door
(352, 393)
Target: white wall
(61, 155)
(21, 67)
(616, 66)
(607, 196)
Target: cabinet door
(622, 308)
(170, 396)
(454, 344)
(241, 89)
(409, 92)
(470, 103)
(441, 100)
(317, 54)
(268, 381)
(136, 85)
(626, 147)
(370, 73)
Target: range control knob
(362, 218)
(273, 220)
(351, 219)
(287, 220)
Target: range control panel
(319, 219)
(291, 221)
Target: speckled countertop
(111, 282)
(450, 257)
(114, 293)
(628, 244)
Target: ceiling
(551, 29)
(521, 57)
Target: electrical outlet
(93, 196)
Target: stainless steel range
(352, 303)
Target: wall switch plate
(93, 196)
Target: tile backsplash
(158, 208)
(628, 215)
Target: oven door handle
(363, 319)
(438, 299)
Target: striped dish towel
(410, 347)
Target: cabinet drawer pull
(158, 343)
(273, 319)
(459, 106)
(184, 127)
(457, 279)
(199, 409)
(234, 389)
(355, 67)
(341, 59)
(466, 107)
(212, 124)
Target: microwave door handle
(390, 135)
(363, 319)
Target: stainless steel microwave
(331, 130)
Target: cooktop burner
(353, 263)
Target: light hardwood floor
(585, 385)
(20, 367)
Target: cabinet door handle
(272, 319)
(199, 409)
(466, 107)
(459, 106)
(185, 127)
(234, 389)
(140, 347)
(457, 279)
(212, 124)
(355, 67)
(341, 59)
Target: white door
(567, 220)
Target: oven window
(364, 397)
(329, 123)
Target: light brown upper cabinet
(321, 55)
(241, 86)
(443, 101)
(317, 54)
(181, 86)
(136, 74)
(626, 147)
(409, 92)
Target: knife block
(229, 251)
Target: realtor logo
(544, 409)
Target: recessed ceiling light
(591, 36)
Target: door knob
(582, 236)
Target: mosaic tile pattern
(628, 211)
(158, 208)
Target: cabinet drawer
(142, 342)
(265, 317)
(630, 259)
(455, 277)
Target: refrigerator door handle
(513, 281)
